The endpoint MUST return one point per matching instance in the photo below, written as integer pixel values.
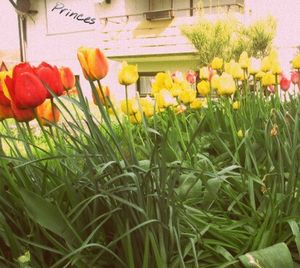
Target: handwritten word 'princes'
(62, 10)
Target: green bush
(228, 38)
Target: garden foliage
(178, 181)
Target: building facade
(146, 33)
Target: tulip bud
(187, 96)
(226, 85)
(217, 63)
(295, 77)
(203, 88)
(48, 113)
(191, 76)
(285, 83)
(67, 78)
(25, 88)
(244, 60)
(198, 103)
(128, 74)
(50, 76)
(236, 105)
(296, 62)
(268, 79)
(93, 63)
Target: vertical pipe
(20, 26)
(22, 29)
(191, 8)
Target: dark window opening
(144, 83)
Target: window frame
(147, 74)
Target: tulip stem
(43, 130)
(102, 94)
(29, 131)
(126, 95)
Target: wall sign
(68, 16)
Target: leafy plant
(228, 38)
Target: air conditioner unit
(166, 14)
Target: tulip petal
(51, 77)
(98, 64)
(28, 91)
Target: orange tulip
(47, 113)
(93, 63)
(67, 78)
(106, 93)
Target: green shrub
(228, 38)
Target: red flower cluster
(28, 88)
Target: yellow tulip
(136, 118)
(132, 105)
(217, 63)
(244, 60)
(162, 81)
(215, 81)
(93, 63)
(227, 85)
(260, 75)
(204, 73)
(228, 66)
(164, 99)
(198, 103)
(203, 87)
(296, 62)
(3, 75)
(276, 69)
(268, 79)
(128, 74)
(187, 96)
(266, 64)
(176, 89)
(236, 105)
(147, 105)
(237, 72)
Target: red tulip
(22, 115)
(25, 88)
(295, 77)
(50, 76)
(67, 78)
(4, 101)
(191, 76)
(285, 83)
(5, 112)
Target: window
(144, 83)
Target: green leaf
(45, 214)
(276, 256)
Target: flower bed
(205, 173)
